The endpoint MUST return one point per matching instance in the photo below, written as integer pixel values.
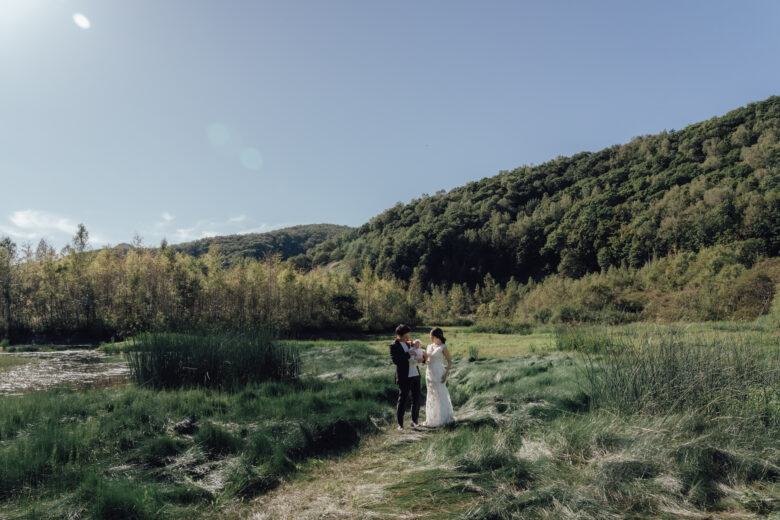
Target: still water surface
(76, 368)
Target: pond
(32, 371)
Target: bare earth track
(387, 477)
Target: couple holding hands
(407, 356)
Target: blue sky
(188, 118)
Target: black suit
(405, 383)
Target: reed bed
(228, 360)
(670, 371)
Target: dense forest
(286, 242)
(677, 226)
(714, 182)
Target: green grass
(119, 499)
(335, 360)
(684, 430)
(61, 447)
(116, 347)
(591, 425)
(537, 438)
(217, 440)
(490, 345)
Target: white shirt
(413, 370)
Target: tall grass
(635, 423)
(590, 340)
(668, 372)
(169, 360)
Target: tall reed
(226, 360)
(669, 372)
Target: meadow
(551, 424)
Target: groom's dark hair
(402, 329)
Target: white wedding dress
(438, 407)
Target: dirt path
(388, 477)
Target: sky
(181, 119)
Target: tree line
(119, 292)
(79, 293)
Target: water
(76, 368)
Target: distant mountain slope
(713, 182)
(287, 242)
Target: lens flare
(81, 20)
(252, 159)
(218, 134)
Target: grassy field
(137, 452)
(539, 435)
(461, 340)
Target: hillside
(714, 182)
(288, 242)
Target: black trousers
(413, 384)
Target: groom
(407, 375)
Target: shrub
(542, 315)
(568, 314)
(501, 326)
(748, 296)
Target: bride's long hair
(436, 332)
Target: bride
(438, 408)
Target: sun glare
(17, 11)
(81, 20)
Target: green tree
(81, 239)
(7, 258)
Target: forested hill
(713, 182)
(287, 242)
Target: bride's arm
(447, 356)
